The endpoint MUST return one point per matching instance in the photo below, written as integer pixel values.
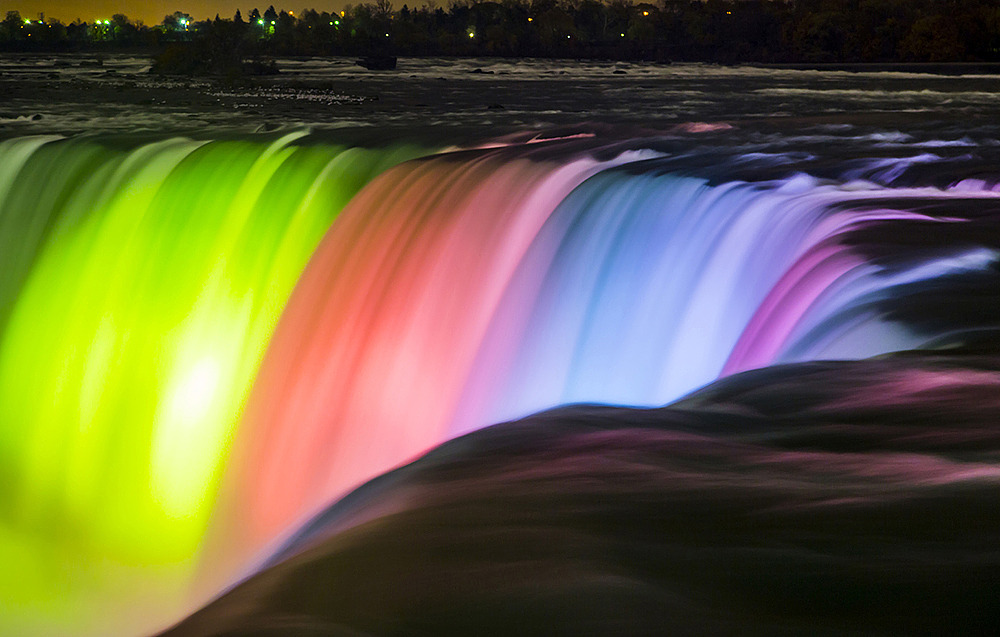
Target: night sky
(150, 12)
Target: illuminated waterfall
(140, 291)
(151, 398)
(465, 306)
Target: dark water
(109, 94)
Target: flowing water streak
(375, 348)
(142, 286)
(644, 287)
(137, 311)
(477, 288)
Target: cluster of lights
(29, 23)
(104, 22)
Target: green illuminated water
(140, 287)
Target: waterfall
(203, 343)
(456, 294)
(141, 286)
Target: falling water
(144, 284)
(205, 343)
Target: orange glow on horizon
(149, 13)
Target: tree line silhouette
(726, 31)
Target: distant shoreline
(929, 68)
(952, 69)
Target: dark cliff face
(824, 499)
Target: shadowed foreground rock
(820, 499)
